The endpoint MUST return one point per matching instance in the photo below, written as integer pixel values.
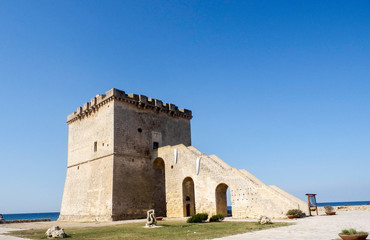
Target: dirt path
(320, 227)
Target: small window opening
(155, 145)
(95, 146)
(187, 198)
(139, 130)
(78, 167)
(171, 166)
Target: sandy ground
(4, 230)
(44, 225)
(320, 227)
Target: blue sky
(280, 88)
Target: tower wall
(89, 181)
(110, 175)
(137, 131)
(137, 128)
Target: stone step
(287, 195)
(220, 162)
(251, 177)
(194, 150)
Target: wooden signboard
(312, 205)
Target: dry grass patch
(174, 230)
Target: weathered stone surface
(130, 153)
(55, 232)
(249, 196)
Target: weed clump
(329, 209)
(295, 212)
(198, 218)
(352, 231)
(217, 218)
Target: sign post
(312, 205)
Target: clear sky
(279, 88)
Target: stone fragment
(56, 232)
(265, 220)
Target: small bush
(328, 208)
(204, 216)
(198, 218)
(217, 218)
(194, 219)
(352, 231)
(295, 212)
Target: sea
(54, 215)
(24, 216)
(335, 204)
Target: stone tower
(128, 154)
(110, 174)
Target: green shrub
(328, 208)
(295, 212)
(204, 216)
(194, 219)
(198, 218)
(352, 231)
(217, 218)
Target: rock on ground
(265, 220)
(55, 232)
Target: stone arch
(188, 197)
(221, 199)
(159, 187)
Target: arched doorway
(188, 197)
(159, 187)
(221, 199)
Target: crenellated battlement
(140, 101)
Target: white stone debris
(56, 232)
(264, 220)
